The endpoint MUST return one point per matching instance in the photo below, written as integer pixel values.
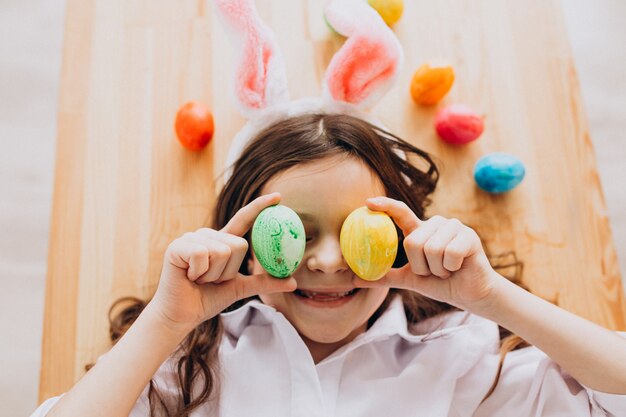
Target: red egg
(194, 126)
(458, 124)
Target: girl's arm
(447, 263)
(112, 386)
(200, 278)
(593, 355)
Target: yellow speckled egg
(369, 243)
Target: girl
(421, 341)
(221, 337)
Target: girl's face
(326, 309)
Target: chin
(321, 334)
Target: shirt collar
(476, 335)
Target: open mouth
(326, 296)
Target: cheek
(270, 299)
(375, 297)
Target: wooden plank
(59, 330)
(124, 188)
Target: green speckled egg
(278, 240)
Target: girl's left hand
(446, 259)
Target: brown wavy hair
(286, 143)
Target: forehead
(332, 186)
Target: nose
(326, 257)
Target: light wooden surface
(124, 188)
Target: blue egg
(499, 172)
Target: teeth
(325, 295)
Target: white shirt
(443, 368)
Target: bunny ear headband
(358, 75)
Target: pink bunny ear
(260, 79)
(367, 64)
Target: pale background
(31, 34)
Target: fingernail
(375, 200)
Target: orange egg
(194, 126)
(430, 84)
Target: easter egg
(194, 126)
(369, 243)
(430, 83)
(389, 10)
(278, 240)
(458, 124)
(498, 172)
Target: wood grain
(124, 188)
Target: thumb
(244, 286)
(402, 278)
(395, 278)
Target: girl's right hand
(200, 275)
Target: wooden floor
(124, 188)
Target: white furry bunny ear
(367, 65)
(260, 78)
